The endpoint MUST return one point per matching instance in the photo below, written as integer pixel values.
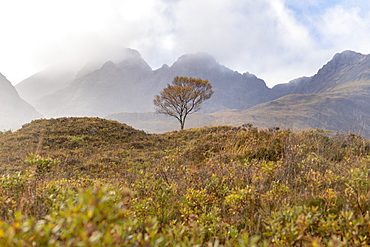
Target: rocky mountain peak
(345, 58)
(108, 66)
(129, 53)
(133, 60)
(347, 54)
(344, 67)
(197, 60)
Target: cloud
(342, 27)
(259, 37)
(277, 40)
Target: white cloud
(345, 28)
(277, 40)
(261, 37)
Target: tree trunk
(182, 123)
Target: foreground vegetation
(93, 182)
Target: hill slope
(73, 140)
(14, 111)
(102, 183)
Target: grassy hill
(97, 182)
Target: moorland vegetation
(95, 182)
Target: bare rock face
(14, 111)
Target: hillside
(101, 183)
(76, 142)
(14, 111)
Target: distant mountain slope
(302, 111)
(232, 89)
(14, 111)
(345, 67)
(131, 84)
(43, 83)
(336, 98)
(296, 112)
(112, 88)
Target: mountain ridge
(335, 98)
(14, 111)
(130, 85)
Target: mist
(277, 40)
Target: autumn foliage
(184, 96)
(94, 182)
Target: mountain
(345, 67)
(14, 111)
(336, 98)
(130, 86)
(111, 88)
(44, 82)
(232, 89)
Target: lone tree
(184, 96)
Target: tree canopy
(185, 95)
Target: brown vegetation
(96, 182)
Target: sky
(277, 40)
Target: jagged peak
(108, 65)
(339, 60)
(129, 53)
(131, 58)
(346, 55)
(196, 59)
(249, 75)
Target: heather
(94, 182)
